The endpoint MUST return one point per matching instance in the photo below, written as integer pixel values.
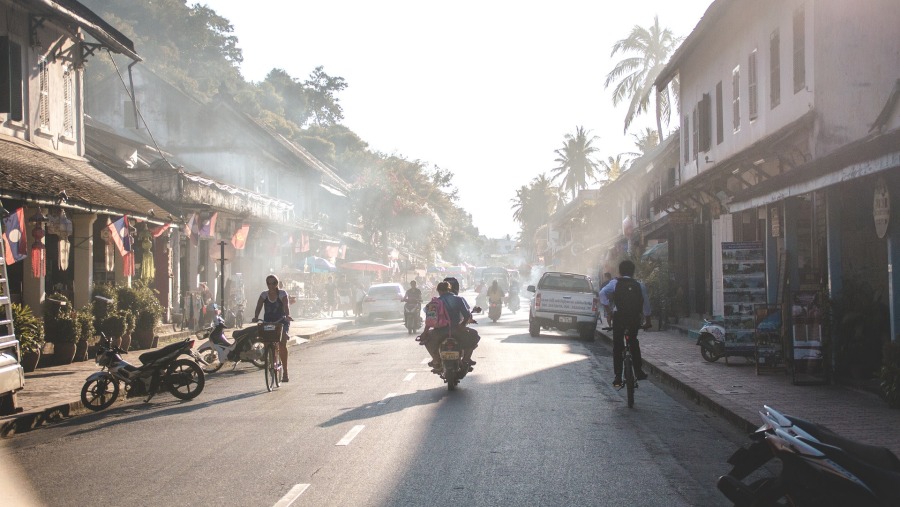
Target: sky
(487, 89)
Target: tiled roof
(29, 173)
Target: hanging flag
(239, 240)
(158, 231)
(192, 229)
(304, 242)
(208, 229)
(14, 236)
(128, 264)
(38, 252)
(118, 231)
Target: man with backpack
(443, 315)
(627, 300)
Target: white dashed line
(409, 377)
(426, 360)
(350, 435)
(292, 495)
(387, 398)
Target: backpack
(436, 314)
(628, 298)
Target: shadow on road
(390, 405)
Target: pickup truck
(564, 301)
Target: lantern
(63, 231)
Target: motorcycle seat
(880, 457)
(149, 357)
(241, 333)
(884, 482)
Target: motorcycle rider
(459, 314)
(625, 320)
(413, 295)
(495, 294)
(471, 338)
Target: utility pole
(222, 276)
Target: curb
(698, 397)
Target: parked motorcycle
(162, 370)
(494, 310)
(412, 316)
(712, 339)
(245, 346)
(818, 467)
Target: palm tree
(635, 74)
(614, 166)
(533, 205)
(576, 163)
(646, 140)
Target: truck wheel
(534, 329)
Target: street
(363, 422)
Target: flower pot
(81, 351)
(30, 360)
(64, 352)
(143, 338)
(126, 342)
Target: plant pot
(126, 342)
(81, 351)
(30, 360)
(64, 352)
(92, 351)
(143, 338)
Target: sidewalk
(54, 393)
(737, 393)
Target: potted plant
(129, 329)
(84, 320)
(30, 333)
(114, 327)
(60, 328)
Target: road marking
(409, 377)
(387, 398)
(350, 435)
(292, 495)
(426, 360)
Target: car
(383, 300)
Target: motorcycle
(494, 309)
(454, 368)
(818, 467)
(234, 316)
(162, 370)
(513, 304)
(412, 316)
(218, 350)
(712, 339)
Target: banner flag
(239, 240)
(14, 236)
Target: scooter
(712, 339)
(494, 310)
(218, 350)
(162, 370)
(818, 467)
(412, 319)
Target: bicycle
(628, 366)
(270, 335)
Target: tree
(636, 74)
(576, 163)
(613, 167)
(321, 90)
(646, 140)
(533, 205)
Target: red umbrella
(365, 266)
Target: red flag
(14, 236)
(128, 264)
(157, 232)
(239, 240)
(208, 229)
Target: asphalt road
(363, 422)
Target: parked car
(383, 300)
(564, 301)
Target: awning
(332, 190)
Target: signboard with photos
(744, 283)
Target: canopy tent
(365, 265)
(318, 265)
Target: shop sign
(681, 218)
(881, 208)
(775, 221)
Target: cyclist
(278, 309)
(627, 300)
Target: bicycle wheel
(629, 380)
(270, 369)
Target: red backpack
(436, 314)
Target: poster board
(808, 353)
(744, 285)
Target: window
(44, 100)
(686, 141)
(799, 50)
(720, 114)
(11, 83)
(774, 69)
(736, 100)
(696, 133)
(705, 128)
(751, 86)
(68, 106)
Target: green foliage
(890, 374)
(576, 161)
(114, 325)
(59, 319)
(28, 328)
(139, 305)
(84, 324)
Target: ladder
(12, 376)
